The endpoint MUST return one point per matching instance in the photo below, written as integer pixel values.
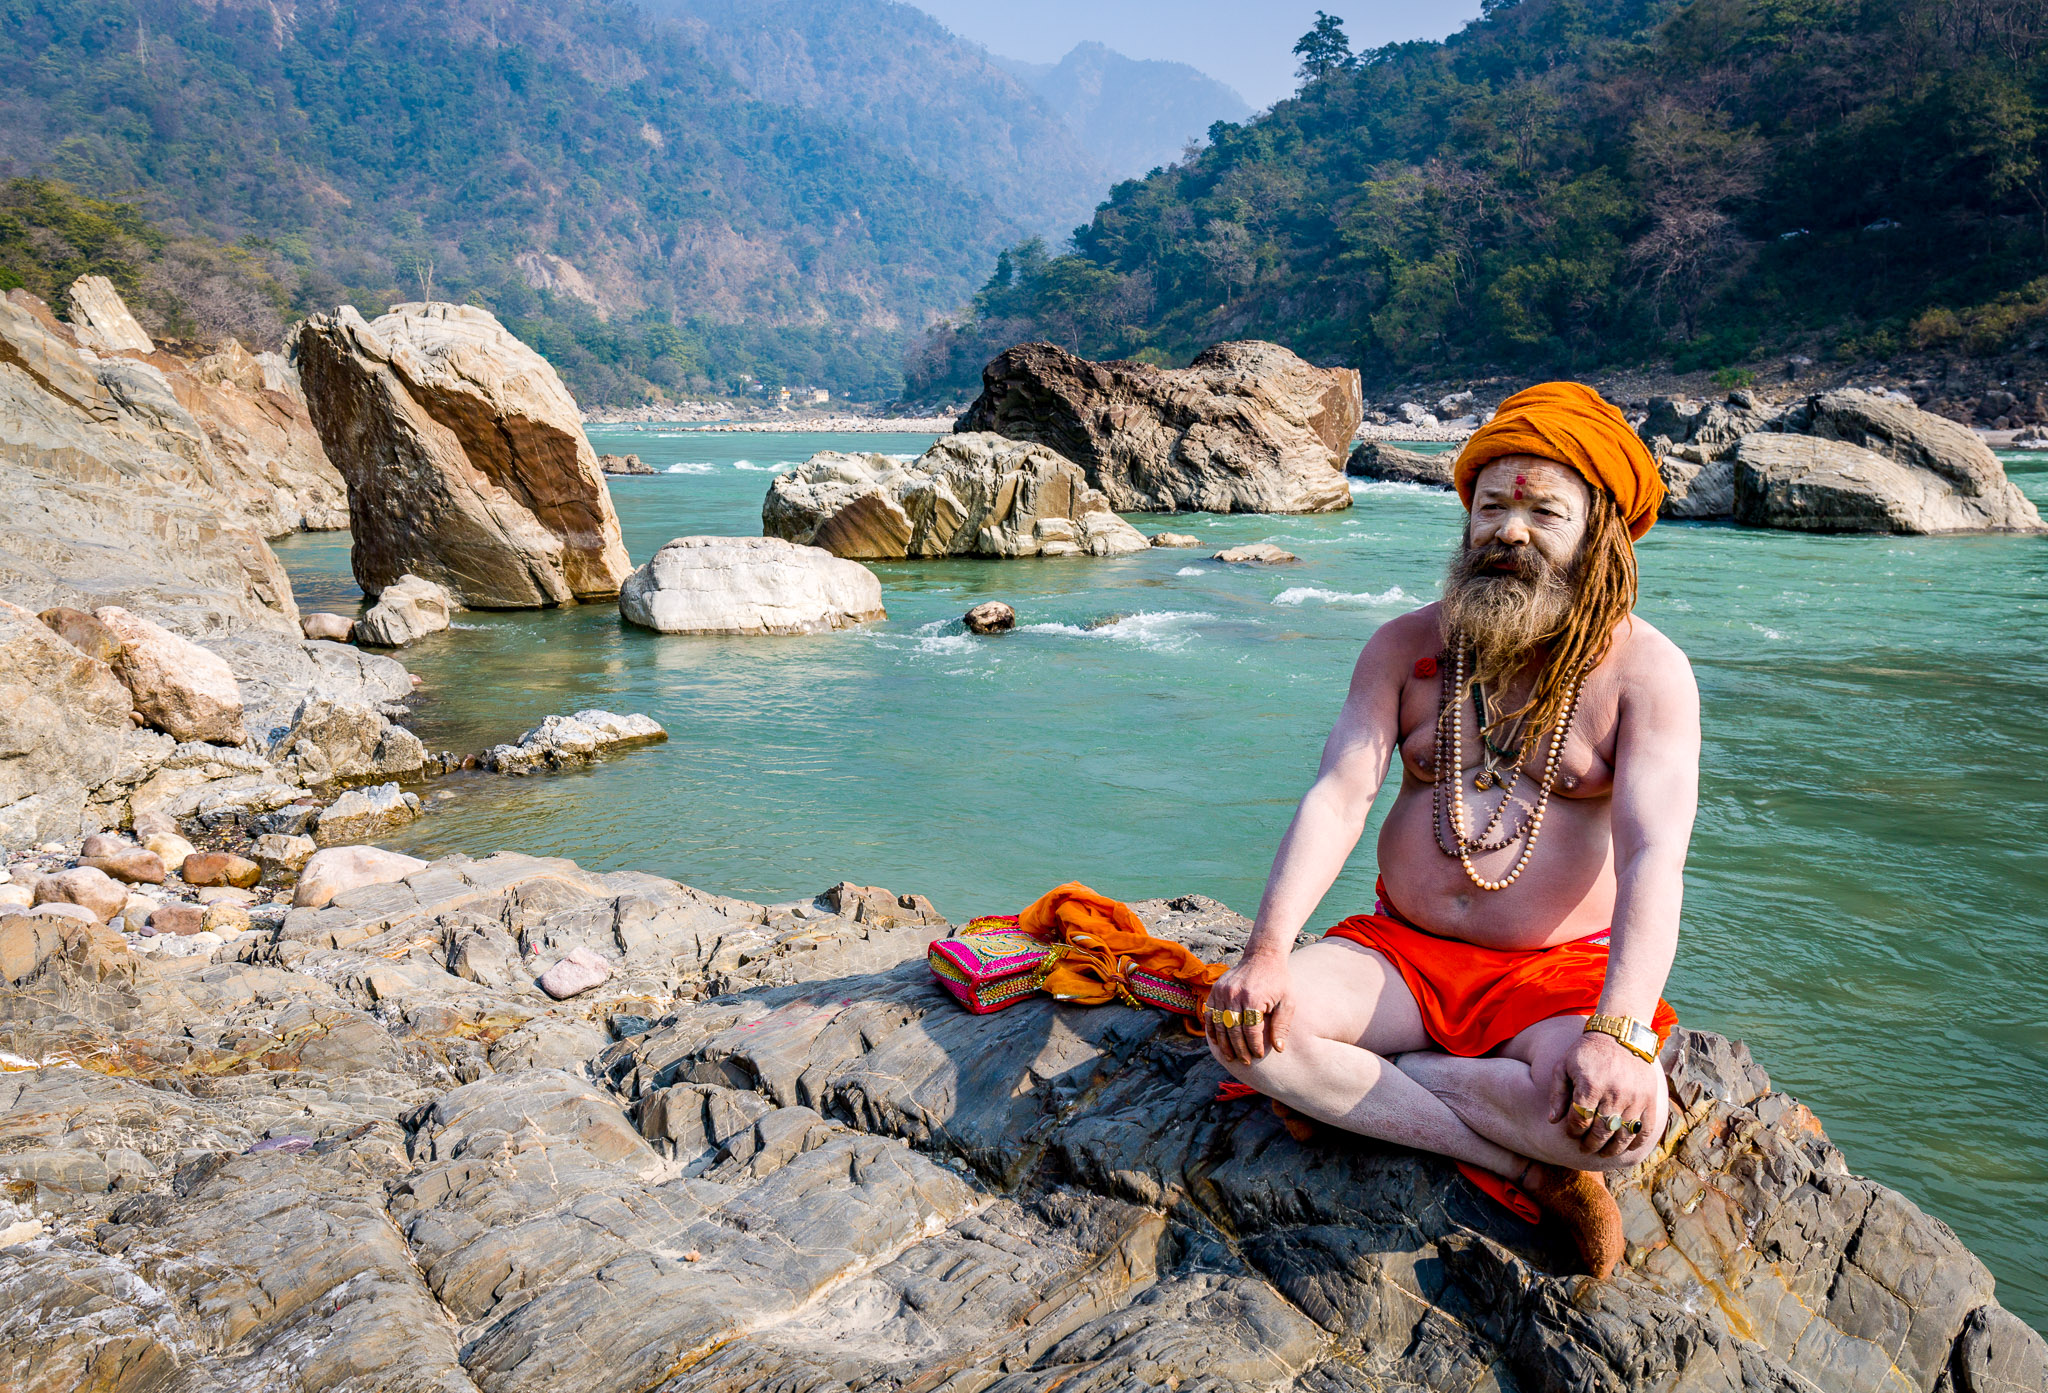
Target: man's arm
(1326, 827)
(1656, 795)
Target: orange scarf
(1104, 942)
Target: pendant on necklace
(1484, 781)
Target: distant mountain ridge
(898, 77)
(1133, 115)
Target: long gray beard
(1504, 616)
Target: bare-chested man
(1525, 888)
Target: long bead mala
(1451, 750)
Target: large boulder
(102, 320)
(969, 495)
(1962, 486)
(1376, 459)
(63, 730)
(1807, 484)
(180, 688)
(1246, 428)
(465, 458)
(1697, 492)
(749, 585)
(405, 613)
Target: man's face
(1521, 503)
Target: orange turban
(1574, 426)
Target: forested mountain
(899, 77)
(1132, 115)
(681, 230)
(1575, 183)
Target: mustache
(1494, 560)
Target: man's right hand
(1264, 984)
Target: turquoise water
(1865, 899)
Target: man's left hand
(1622, 1089)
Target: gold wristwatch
(1635, 1037)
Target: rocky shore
(366, 1146)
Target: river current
(1867, 897)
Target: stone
(576, 972)
(101, 318)
(990, 617)
(464, 455)
(91, 889)
(565, 742)
(281, 856)
(82, 632)
(179, 687)
(335, 628)
(129, 864)
(1375, 459)
(1256, 554)
(179, 919)
(363, 813)
(64, 909)
(26, 943)
(152, 824)
(225, 918)
(63, 730)
(1247, 427)
(749, 585)
(1961, 486)
(137, 908)
(220, 868)
(17, 896)
(1175, 539)
(295, 819)
(171, 848)
(225, 894)
(1695, 492)
(1813, 484)
(623, 464)
(968, 495)
(405, 612)
(331, 871)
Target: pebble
(172, 847)
(577, 972)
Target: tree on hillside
(1324, 49)
(1694, 169)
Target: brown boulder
(131, 865)
(85, 887)
(183, 920)
(465, 458)
(1246, 428)
(220, 868)
(335, 628)
(26, 943)
(64, 729)
(179, 687)
(83, 632)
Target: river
(1867, 898)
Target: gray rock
(623, 464)
(339, 1160)
(1247, 427)
(1175, 539)
(362, 814)
(566, 742)
(749, 585)
(101, 318)
(969, 495)
(337, 628)
(179, 687)
(1965, 486)
(1375, 459)
(1814, 484)
(465, 458)
(406, 611)
(1255, 554)
(1695, 492)
(63, 730)
(990, 617)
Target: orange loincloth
(1475, 999)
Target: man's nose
(1514, 532)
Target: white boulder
(749, 585)
(405, 613)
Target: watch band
(1632, 1035)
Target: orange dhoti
(1475, 999)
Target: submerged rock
(749, 585)
(465, 458)
(990, 617)
(624, 464)
(969, 495)
(1255, 554)
(1175, 539)
(1246, 428)
(1375, 459)
(810, 1169)
(405, 613)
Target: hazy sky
(1248, 45)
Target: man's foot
(1579, 1200)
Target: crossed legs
(1358, 1058)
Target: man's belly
(1565, 892)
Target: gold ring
(1583, 1112)
(1635, 1126)
(1612, 1121)
(1226, 1019)
(1253, 1017)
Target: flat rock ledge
(363, 1149)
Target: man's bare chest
(1584, 770)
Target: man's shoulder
(1643, 653)
(1418, 628)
